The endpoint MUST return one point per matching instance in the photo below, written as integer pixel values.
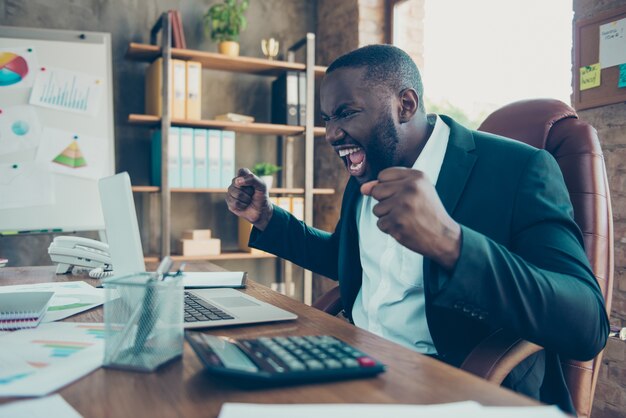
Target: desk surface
(181, 389)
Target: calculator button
(366, 362)
(296, 365)
(332, 364)
(350, 362)
(275, 365)
(314, 365)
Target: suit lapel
(350, 270)
(455, 170)
(457, 165)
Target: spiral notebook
(23, 309)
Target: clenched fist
(249, 198)
(409, 209)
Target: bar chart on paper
(67, 90)
(46, 358)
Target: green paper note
(589, 76)
(621, 82)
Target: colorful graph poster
(25, 184)
(20, 129)
(72, 153)
(65, 90)
(70, 298)
(44, 359)
(17, 67)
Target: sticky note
(589, 76)
(621, 82)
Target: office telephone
(72, 251)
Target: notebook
(23, 309)
(220, 307)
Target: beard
(385, 140)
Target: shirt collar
(431, 158)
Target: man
(438, 268)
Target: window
(478, 55)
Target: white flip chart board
(56, 129)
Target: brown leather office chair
(554, 126)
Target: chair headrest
(528, 121)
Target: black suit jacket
(522, 265)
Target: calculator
(297, 359)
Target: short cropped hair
(385, 65)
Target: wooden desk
(182, 389)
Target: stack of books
(178, 34)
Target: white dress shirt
(391, 300)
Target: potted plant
(224, 21)
(265, 171)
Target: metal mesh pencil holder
(143, 319)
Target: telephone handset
(70, 251)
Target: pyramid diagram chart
(71, 157)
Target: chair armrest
(495, 357)
(330, 302)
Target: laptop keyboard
(199, 310)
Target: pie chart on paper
(13, 68)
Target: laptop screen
(120, 219)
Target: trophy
(269, 48)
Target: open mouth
(354, 159)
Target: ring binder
(22, 309)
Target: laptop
(204, 308)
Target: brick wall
(610, 122)
(409, 29)
(372, 22)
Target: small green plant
(224, 21)
(265, 169)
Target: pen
(180, 270)
(148, 316)
(164, 268)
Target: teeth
(348, 151)
(356, 167)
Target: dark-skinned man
(445, 235)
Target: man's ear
(409, 105)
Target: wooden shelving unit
(234, 255)
(248, 128)
(215, 61)
(288, 134)
(276, 190)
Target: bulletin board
(587, 52)
(56, 129)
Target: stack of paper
(51, 406)
(459, 409)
